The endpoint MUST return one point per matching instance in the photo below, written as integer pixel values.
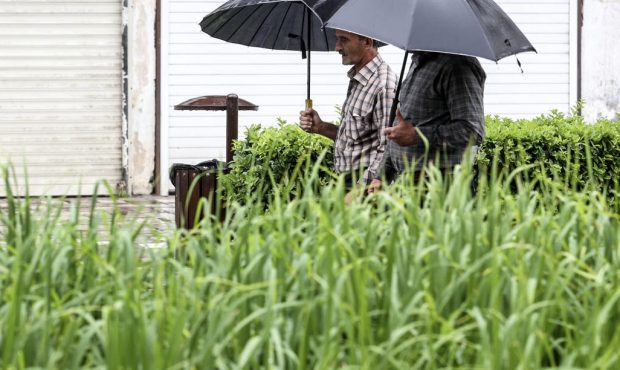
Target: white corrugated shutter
(198, 64)
(547, 81)
(60, 93)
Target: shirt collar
(364, 75)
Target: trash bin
(193, 182)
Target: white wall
(600, 66)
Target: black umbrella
(275, 24)
(467, 27)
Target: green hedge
(556, 146)
(273, 156)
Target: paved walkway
(157, 211)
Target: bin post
(230, 103)
(232, 124)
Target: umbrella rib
(262, 22)
(324, 34)
(282, 25)
(210, 20)
(237, 11)
(314, 12)
(326, 40)
(240, 26)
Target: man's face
(350, 46)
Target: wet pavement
(157, 213)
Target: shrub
(559, 146)
(274, 156)
(555, 145)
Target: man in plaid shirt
(442, 100)
(359, 139)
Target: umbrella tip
(519, 64)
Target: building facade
(87, 89)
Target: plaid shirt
(360, 142)
(443, 97)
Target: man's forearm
(456, 134)
(328, 130)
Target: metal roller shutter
(60, 93)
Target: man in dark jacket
(440, 117)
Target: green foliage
(580, 155)
(421, 277)
(563, 147)
(275, 158)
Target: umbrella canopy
(477, 28)
(270, 24)
(469, 27)
(275, 24)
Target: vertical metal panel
(197, 64)
(60, 93)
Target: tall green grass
(422, 276)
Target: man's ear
(365, 40)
